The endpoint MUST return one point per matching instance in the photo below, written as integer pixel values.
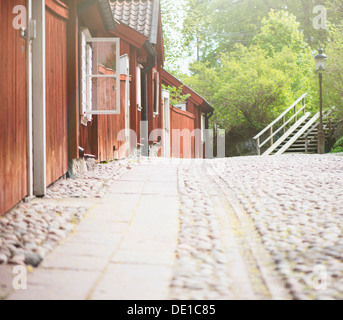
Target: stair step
(305, 125)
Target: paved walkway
(239, 228)
(125, 244)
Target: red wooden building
(193, 115)
(81, 73)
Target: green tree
(278, 31)
(174, 49)
(335, 11)
(333, 75)
(254, 84)
(176, 95)
(213, 27)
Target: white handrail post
(258, 146)
(306, 145)
(271, 136)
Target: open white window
(100, 76)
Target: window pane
(103, 82)
(104, 94)
(104, 58)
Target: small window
(156, 92)
(181, 106)
(100, 85)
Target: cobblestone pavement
(220, 254)
(31, 230)
(241, 228)
(296, 204)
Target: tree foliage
(255, 57)
(174, 48)
(333, 76)
(176, 95)
(213, 27)
(254, 84)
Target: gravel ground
(296, 203)
(31, 230)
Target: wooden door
(56, 90)
(13, 115)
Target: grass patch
(338, 146)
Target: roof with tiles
(137, 14)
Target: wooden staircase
(297, 133)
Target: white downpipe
(29, 102)
(166, 123)
(39, 100)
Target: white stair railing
(281, 126)
(308, 139)
(287, 134)
(298, 134)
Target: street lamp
(320, 65)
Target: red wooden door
(13, 127)
(56, 90)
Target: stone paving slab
(58, 260)
(134, 282)
(127, 187)
(83, 249)
(50, 284)
(6, 277)
(152, 257)
(96, 238)
(161, 188)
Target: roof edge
(204, 102)
(154, 22)
(108, 18)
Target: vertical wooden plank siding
(101, 135)
(181, 120)
(56, 96)
(13, 114)
(72, 82)
(109, 128)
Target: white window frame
(125, 70)
(166, 123)
(203, 127)
(84, 64)
(181, 106)
(139, 87)
(156, 76)
(87, 107)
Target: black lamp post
(320, 65)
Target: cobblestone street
(237, 228)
